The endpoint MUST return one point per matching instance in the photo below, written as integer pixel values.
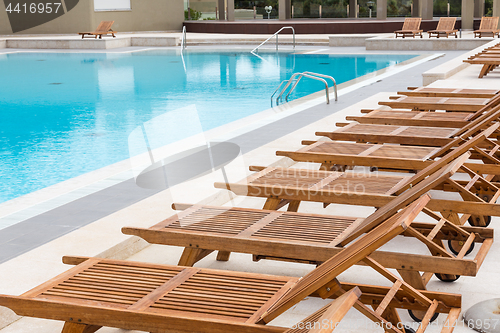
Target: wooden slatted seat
(338, 155)
(415, 135)
(301, 237)
(446, 27)
(411, 27)
(414, 118)
(295, 185)
(449, 92)
(103, 29)
(156, 298)
(424, 118)
(410, 135)
(488, 27)
(438, 103)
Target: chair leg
(293, 206)
(191, 256)
(79, 328)
(223, 256)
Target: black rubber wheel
(408, 329)
(452, 249)
(473, 221)
(419, 320)
(446, 277)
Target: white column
(416, 8)
(467, 14)
(427, 9)
(353, 6)
(285, 9)
(496, 8)
(230, 10)
(479, 8)
(221, 8)
(381, 9)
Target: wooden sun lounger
(414, 135)
(438, 103)
(103, 29)
(155, 298)
(446, 26)
(413, 118)
(488, 27)
(489, 64)
(339, 156)
(411, 27)
(449, 92)
(291, 186)
(425, 118)
(308, 238)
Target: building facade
(73, 16)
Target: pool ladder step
(291, 83)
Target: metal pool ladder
(256, 50)
(295, 79)
(183, 38)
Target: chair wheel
(474, 221)
(415, 318)
(408, 329)
(456, 251)
(447, 277)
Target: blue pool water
(65, 114)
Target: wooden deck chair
(439, 103)
(291, 186)
(344, 155)
(488, 27)
(489, 64)
(156, 298)
(411, 27)
(449, 92)
(424, 118)
(103, 29)
(339, 156)
(412, 135)
(445, 27)
(313, 239)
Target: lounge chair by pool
(411, 27)
(446, 26)
(104, 28)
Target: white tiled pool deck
(103, 237)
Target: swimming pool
(65, 114)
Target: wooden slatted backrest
(403, 199)
(463, 141)
(446, 23)
(486, 110)
(411, 23)
(332, 313)
(489, 23)
(426, 179)
(327, 272)
(104, 26)
(482, 118)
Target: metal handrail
(286, 86)
(315, 74)
(295, 79)
(276, 91)
(183, 38)
(276, 34)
